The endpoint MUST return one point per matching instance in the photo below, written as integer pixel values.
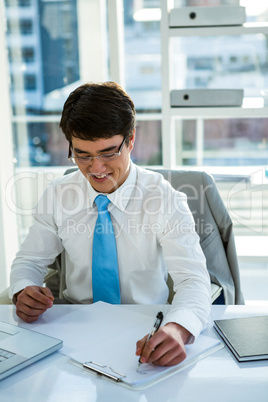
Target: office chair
(215, 229)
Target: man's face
(104, 177)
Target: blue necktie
(105, 278)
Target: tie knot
(102, 201)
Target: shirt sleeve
(186, 265)
(40, 248)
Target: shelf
(245, 29)
(218, 112)
(253, 107)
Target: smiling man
(123, 230)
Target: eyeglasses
(84, 160)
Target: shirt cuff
(186, 319)
(20, 286)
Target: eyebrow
(111, 148)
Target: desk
(218, 378)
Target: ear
(131, 141)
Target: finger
(28, 313)
(140, 345)
(163, 348)
(166, 345)
(37, 298)
(150, 346)
(25, 308)
(28, 307)
(170, 358)
(30, 302)
(47, 292)
(27, 318)
(176, 361)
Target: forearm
(191, 306)
(38, 251)
(25, 273)
(191, 283)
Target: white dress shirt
(154, 232)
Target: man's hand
(32, 302)
(165, 347)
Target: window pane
(44, 51)
(236, 142)
(225, 142)
(148, 147)
(44, 144)
(186, 144)
(142, 55)
(222, 62)
(20, 3)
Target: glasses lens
(80, 161)
(103, 158)
(107, 157)
(83, 161)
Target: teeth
(101, 177)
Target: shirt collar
(119, 197)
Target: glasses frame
(88, 159)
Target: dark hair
(98, 110)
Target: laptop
(20, 347)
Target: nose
(97, 166)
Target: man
(152, 224)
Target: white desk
(218, 378)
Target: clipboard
(115, 360)
(155, 374)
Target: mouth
(100, 178)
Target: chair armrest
(215, 291)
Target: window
(225, 142)
(18, 3)
(26, 27)
(28, 54)
(54, 46)
(221, 62)
(29, 82)
(48, 58)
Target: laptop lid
(20, 347)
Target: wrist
(15, 297)
(185, 334)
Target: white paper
(90, 325)
(116, 353)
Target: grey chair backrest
(214, 227)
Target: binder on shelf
(207, 16)
(206, 97)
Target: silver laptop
(21, 347)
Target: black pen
(157, 323)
